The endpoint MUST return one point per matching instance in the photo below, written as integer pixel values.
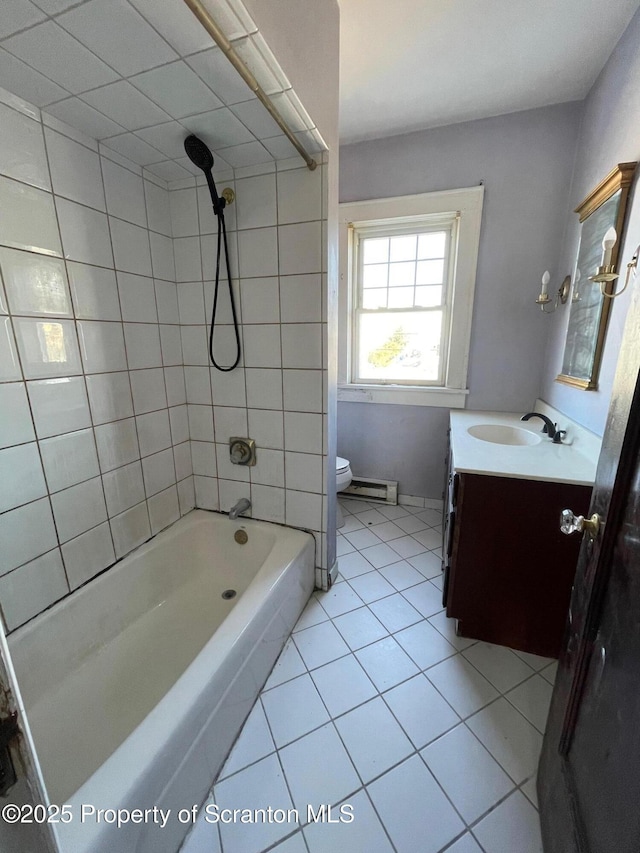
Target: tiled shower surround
(106, 393)
(276, 395)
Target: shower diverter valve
(242, 451)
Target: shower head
(198, 153)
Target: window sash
(447, 223)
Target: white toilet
(343, 478)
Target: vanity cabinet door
(511, 569)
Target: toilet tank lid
(341, 463)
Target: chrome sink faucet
(556, 435)
(237, 509)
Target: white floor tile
(514, 825)
(412, 523)
(466, 844)
(421, 710)
(499, 665)
(432, 517)
(293, 709)
(393, 512)
(255, 742)
(438, 582)
(431, 539)
(530, 790)
(380, 555)
(371, 516)
(365, 834)
(362, 538)
(343, 546)
(352, 565)
(471, 778)
(257, 787)
(395, 612)
(371, 587)
(425, 597)
(351, 522)
(427, 564)
(343, 685)
(447, 628)
(359, 628)
(388, 530)
(512, 741)
(373, 738)
(203, 838)
(339, 599)
(386, 663)
(550, 672)
(320, 644)
(401, 575)
(293, 844)
(532, 699)
(413, 809)
(312, 614)
(461, 685)
(407, 546)
(424, 644)
(288, 666)
(536, 662)
(357, 507)
(318, 770)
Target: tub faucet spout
(242, 506)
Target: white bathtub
(136, 686)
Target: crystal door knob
(571, 523)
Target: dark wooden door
(589, 776)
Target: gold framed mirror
(604, 207)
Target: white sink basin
(503, 434)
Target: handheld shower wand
(200, 155)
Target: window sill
(401, 395)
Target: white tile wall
(91, 462)
(278, 286)
(119, 421)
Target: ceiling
(415, 64)
(140, 75)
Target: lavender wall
(525, 160)
(610, 134)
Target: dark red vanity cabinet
(508, 568)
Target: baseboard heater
(376, 491)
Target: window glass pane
(426, 297)
(403, 248)
(430, 272)
(402, 275)
(401, 347)
(374, 275)
(375, 250)
(432, 245)
(375, 298)
(401, 297)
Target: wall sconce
(605, 273)
(561, 297)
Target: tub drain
(229, 593)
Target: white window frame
(466, 205)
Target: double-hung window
(406, 297)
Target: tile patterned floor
(431, 738)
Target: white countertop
(574, 462)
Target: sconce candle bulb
(608, 243)
(544, 298)
(546, 278)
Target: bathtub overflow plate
(229, 593)
(241, 537)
